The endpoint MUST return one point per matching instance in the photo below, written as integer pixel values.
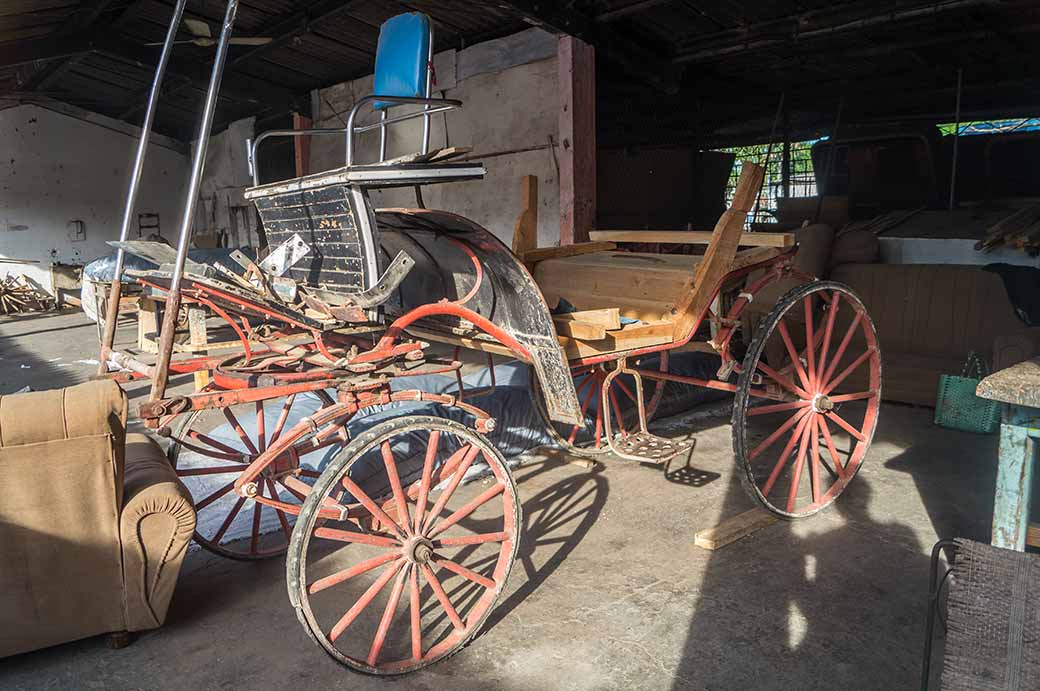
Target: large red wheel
(394, 562)
(210, 448)
(589, 438)
(816, 355)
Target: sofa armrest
(1015, 347)
(156, 524)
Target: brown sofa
(929, 317)
(94, 523)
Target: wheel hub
(418, 550)
(822, 404)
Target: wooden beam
(718, 258)
(543, 253)
(302, 148)
(525, 232)
(691, 237)
(577, 154)
(732, 529)
(635, 58)
(51, 47)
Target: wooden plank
(691, 237)
(576, 61)
(630, 337)
(732, 529)
(543, 253)
(198, 338)
(609, 318)
(1033, 535)
(525, 232)
(755, 255)
(147, 323)
(585, 331)
(718, 258)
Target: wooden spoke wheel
(394, 562)
(589, 439)
(210, 448)
(816, 354)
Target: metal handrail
(434, 105)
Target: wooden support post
(525, 232)
(198, 338)
(147, 325)
(577, 152)
(303, 144)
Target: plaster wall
(510, 102)
(55, 168)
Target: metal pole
(173, 299)
(956, 137)
(116, 290)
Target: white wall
(55, 168)
(509, 90)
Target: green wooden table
(1018, 388)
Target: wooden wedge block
(582, 330)
(608, 317)
(732, 529)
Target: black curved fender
(507, 295)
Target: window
(802, 179)
(992, 126)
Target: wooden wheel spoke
(847, 371)
(281, 514)
(229, 519)
(858, 396)
(254, 538)
(793, 354)
(403, 519)
(814, 457)
(456, 478)
(461, 570)
(796, 473)
(365, 600)
(373, 508)
(416, 615)
(362, 538)
(782, 381)
(215, 470)
(597, 432)
(785, 454)
(223, 450)
(771, 439)
(356, 570)
(477, 539)
(388, 615)
(625, 390)
(828, 331)
(442, 597)
(283, 416)
(846, 339)
(217, 494)
(779, 407)
(840, 421)
(835, 459)
(617, 412)
(810, 343)
(424, 485)
(481, 499)
(261, 427)
(237, 426)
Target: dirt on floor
(609, 591)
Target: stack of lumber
(1020, 230)
(21, 294)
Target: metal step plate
(648, 448)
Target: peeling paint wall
(55, 169)
(510, 101)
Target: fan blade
(251, 40)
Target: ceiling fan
(204, 37)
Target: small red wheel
(589, 439)
(394, 562)
(210, 448)
(804, 417)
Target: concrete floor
(610, 591)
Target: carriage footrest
(648, 448)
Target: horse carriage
(338, 323)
